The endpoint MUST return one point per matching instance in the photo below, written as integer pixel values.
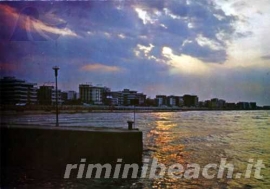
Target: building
(246, 105)
(179, 101)
(130, 97)
(221, 103)
(253, 105)
(161, 100)
(17, 92)
(217, 103)
(207, 104)
(150, 102)
(231, 105)
(93, 94)
(191, 100)
(59, 100)
(126, 97)
(47, 95)
(64, 96)
(265, 107)
(71, 95)
(174, 101)
(243, 105)
(44, 95)
(112, 98)
(214, 103)
(171, 100)
(202, 104)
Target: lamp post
(56, 68)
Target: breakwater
(34, 152)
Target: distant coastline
(37, 109)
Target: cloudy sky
(212, 48)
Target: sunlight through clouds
(144, 16)
(184, 64)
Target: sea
(184, 137)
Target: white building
(171, 100)
(92, 94)
(59, 100)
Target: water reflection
(165, 148)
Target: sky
(211, 48)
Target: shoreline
(83, 111)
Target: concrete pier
(35, 151)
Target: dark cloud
(98, 25)
(204, 19)
(205, 53)
(243, 34)
(266, 57)
(100, 17)
(179, 8)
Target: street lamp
(56, 68)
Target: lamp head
(56, 68)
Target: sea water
(200, 137)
